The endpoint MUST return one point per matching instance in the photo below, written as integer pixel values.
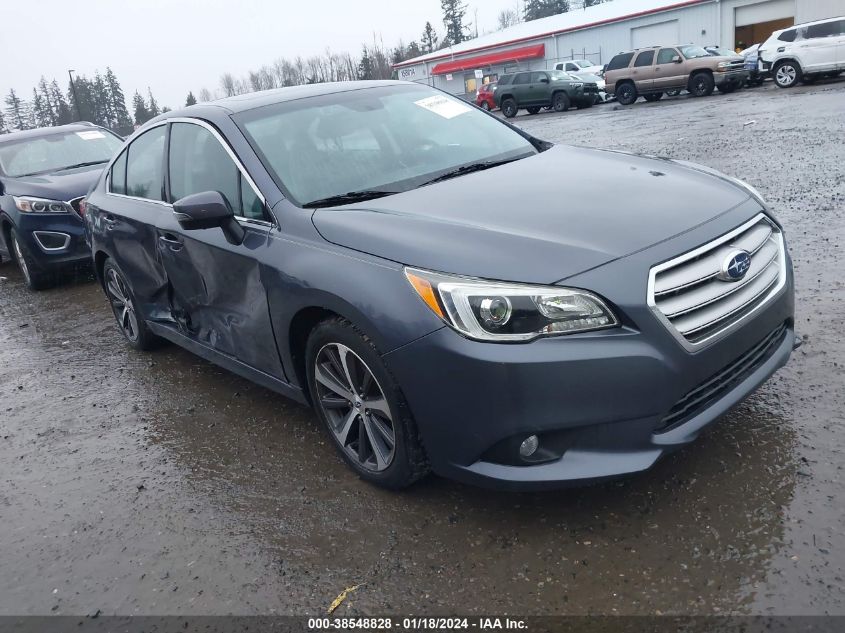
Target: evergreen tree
(101, 100)
(60, 105)
(16, 110)
(429, 38)
(191, 100)
(142, 115)
(122, 120)
(49, 106)
(454, 12)
(152, 106)
(3, 129)
(365, 66)
(536, 9)
(40, 115)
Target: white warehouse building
(597, 33)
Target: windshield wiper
(468, 169)
(348, 198)
(88, 164)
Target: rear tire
(533, 109)
(655, 96)
(509, 108)
(560, 102)
(485, 106)
(701, 85)
(626, 93)
(346, 373)
(34, 277)
(787, 74)
(123, 304)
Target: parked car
(589, 78)
(805, 52)
(756, 75)
(484, 99)
(535, 90)
(326, 241)
(44, 174)
(651, 72)
(579, 66)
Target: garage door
(662, 34)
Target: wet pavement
(156, 483)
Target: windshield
(581, 63)
(693, 52)
(388, 139)
(559, 75)
(54, 152)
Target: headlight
(25, 204)
(577, 85)
(495, 311)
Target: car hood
(520, 222)
(60, 185)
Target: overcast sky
(174, 46)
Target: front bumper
(55, 241)
(738, 77)
(599, 399)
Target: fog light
(529, 446)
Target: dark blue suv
(44, 175)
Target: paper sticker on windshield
(445, 107)
(90, 135)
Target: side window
(198, 162)
(825, 29)
(665, 55)
(571, 67)
(787, 36)
(144, 173)
(522, 78)
(644, 59)
(118, 175)
(620, 61)
(538, 77)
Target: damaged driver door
(216, 294)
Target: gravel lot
(159, 484)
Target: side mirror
(208, 210)
(676, 59)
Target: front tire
(787, 74)
(485, 106)
(509, 108)
(123, 304)
(560, 102)
(362, 406)
(33, 276)
(626, 94)
(701, 85)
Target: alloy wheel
(355, 406)
(124, 310)
(21, 260)
(786, 75)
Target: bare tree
(507, 18)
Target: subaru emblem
(735, 266)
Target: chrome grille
(692, 299)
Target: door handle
(170, 239)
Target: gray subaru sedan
(332, 243)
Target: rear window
(620, 61)
(787, 36)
